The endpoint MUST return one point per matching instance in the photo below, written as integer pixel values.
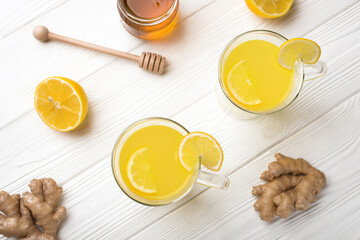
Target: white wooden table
(323, 126)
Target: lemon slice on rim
(298, 48)
(199, 145)
(61, 103)
(269, 8)
(139, 173)
(240, 85)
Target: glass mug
(230, 106)
(118, 164)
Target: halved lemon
(298, 48)
(240, 85)
(269, 8)
(200, 146)
(139, 173)
(61, 103)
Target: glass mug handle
(320, 70)
(213, 180)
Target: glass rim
(113, 160)
(147, 21)
(263, 31)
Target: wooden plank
(25, 61)
(232, 134)
(15, 14)
(115, 103)
(257, 135)
(112, 215)
(331, 144)
(50, 59)
(253, 136)
(106, 120)
(112, 108)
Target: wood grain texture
(250, 136)
(113, 108)
(119, 95)
(16, 14)
(331, 144)
(88, 20)
(99, 23)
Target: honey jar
(148, 19)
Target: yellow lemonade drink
(253, 79)
(146, 163)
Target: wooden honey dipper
(149, 61)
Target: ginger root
(292, 184)
(17, 221)
(42, 204)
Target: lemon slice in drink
(139, 173)
(241, 86)
(61, 103)
(269, 8)
(298, 48)
(199, 145)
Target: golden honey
(148, 19)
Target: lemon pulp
(139, 171)
(269, 8)
(298, 48)
(199, 145)
(61, 103)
